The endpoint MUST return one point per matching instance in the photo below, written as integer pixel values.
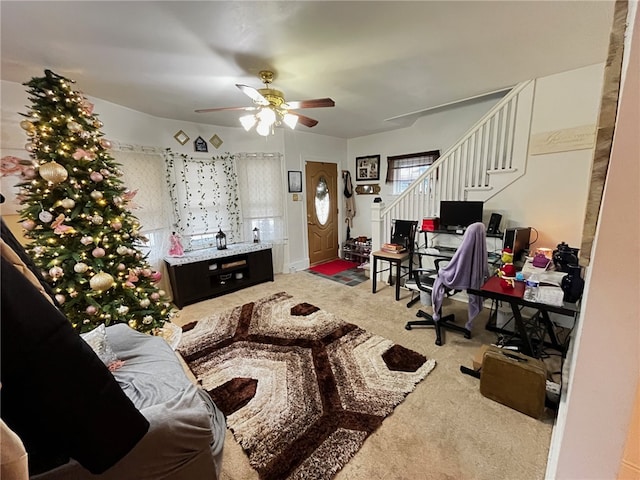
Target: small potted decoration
(256, 235)
(221, 240)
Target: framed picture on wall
(295, 181)
(368, 168)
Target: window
(204, 194)
(261, 194)
(403, 170)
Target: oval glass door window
(322, 201)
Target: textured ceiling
(377, 60)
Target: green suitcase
(515, 380)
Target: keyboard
(441, 248)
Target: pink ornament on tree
(96, 177)
(87, 106)
(29, 224)
(81, 154)
(98, 252)
(156, 277)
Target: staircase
(488, 158)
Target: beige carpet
(449, 432)
(301, 389)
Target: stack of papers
(550, 296)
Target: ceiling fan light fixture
(248, 121)
(263, 128)
(267, 115)
(290, 120)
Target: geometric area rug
(301, 389)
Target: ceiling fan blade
(253, 94)
(306, 121)
(205, 110)
(315, 103)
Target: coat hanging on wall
(350, 203)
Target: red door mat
(333, 267)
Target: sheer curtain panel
(143, 174)
(261, 186)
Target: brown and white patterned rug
(301, 389)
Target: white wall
(436, 131)
(128, 126)
(552, 196)
(302, 147)
(589, 437)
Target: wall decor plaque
(216, 141)
(181, 137)
(565, 140)
(200, 145)
(371, 189)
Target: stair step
(503, 170)
(479, 189)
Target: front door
(322, 211)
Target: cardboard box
(477, 358)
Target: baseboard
(297, 266)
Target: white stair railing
(488, 158)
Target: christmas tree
(84, 237)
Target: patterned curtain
(204, 195)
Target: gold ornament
(74, 126)
(27, 125)
(67, 203)
(101, 281)
(53, 172)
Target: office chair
(468, 268)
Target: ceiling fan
(271, 109)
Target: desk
(493, 261)
(494, 289)
(393, 259)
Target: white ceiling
(376, 59)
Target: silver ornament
(45, 216)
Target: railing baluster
(484, 158)
(488, 145)
(503, 128)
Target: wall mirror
(370, 189)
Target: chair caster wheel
(407, 327)
(439, 343)
(467, 334)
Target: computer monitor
(518, 239)
(455, 215)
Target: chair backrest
(403, 232)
